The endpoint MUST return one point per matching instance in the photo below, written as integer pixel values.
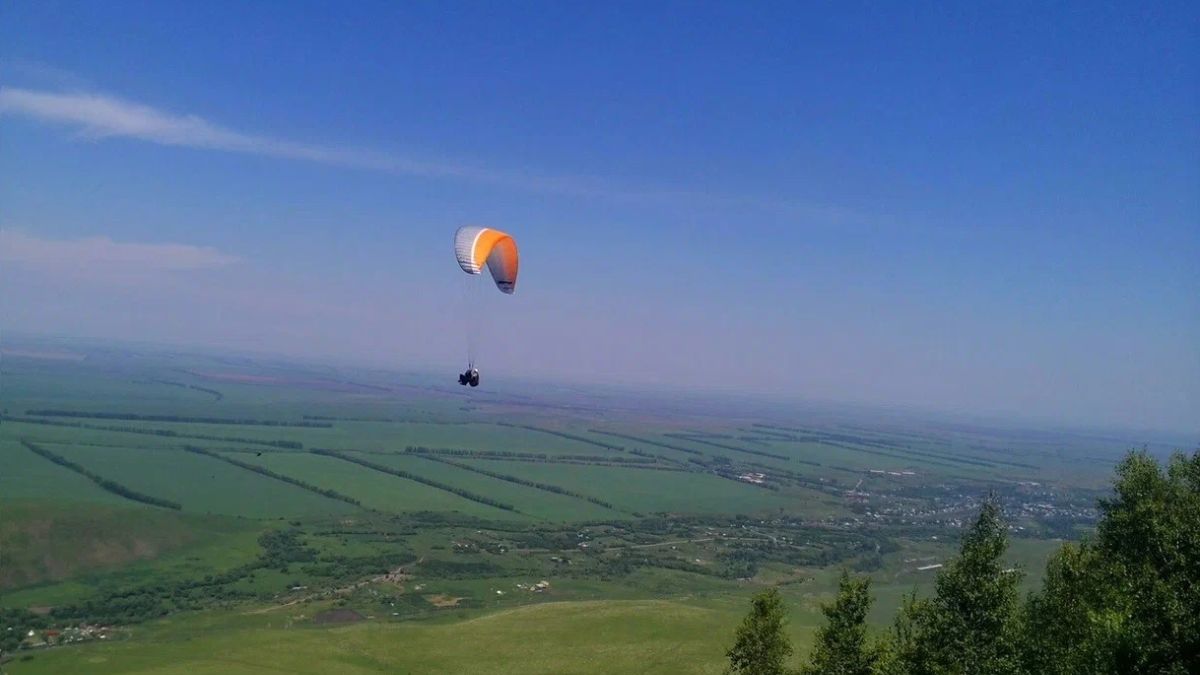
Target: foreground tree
(842, 647)
(1129, 600)
(1125, 601)
(970, 625)
(760, 646)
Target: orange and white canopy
(475, 246)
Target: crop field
(650, 491)
(374, 489)
(200, 484)
(535, 503)
(209, 507)
(398, 435)
(21, 479)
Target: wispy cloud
(98, 116)
(105, 255)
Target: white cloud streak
(99, 116)
(103, 254)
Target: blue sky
(987, 208)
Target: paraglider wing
(475, 246)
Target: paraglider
(475, 247)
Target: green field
(571, 636)
(536, 503)
(655, 491)
(652, 539)
(648, 636)
(201, 484)
(24, 476)
(396, 436)
(41, 541)
(56, 553)
(374, 489)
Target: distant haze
(996, 213)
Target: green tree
(842, 647)
(1127, 601)
(970, 626)
(1062, 631)
(760, 646)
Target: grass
(107, 547)
(398, 435)
(374, 489)
(650, 491)
(47, 541)
(104, 437)
(685, 630)
(24, 475)
(608, 636)
(201, 484)
(527, 500)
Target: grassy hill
(617, 636)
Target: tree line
(563, 434)
(465, 494)
(529, 456)
(104, 483)
(724, 446)
(166, 433)
(1124, 600)
(894, 455)
(627, 437)
(651, 455)
(331, 418)
(545, 487)
(217, 396)
(264, 471)
(134, 417)
(643, 461)
(840, 440)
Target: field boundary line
(400, 473)
(264, 471)
(544, 487)
(105, 484)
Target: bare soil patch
(442, 600)
(336, 616)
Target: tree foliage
(842, 647)
(1127, 601)
(760, 646)
(969, 626)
